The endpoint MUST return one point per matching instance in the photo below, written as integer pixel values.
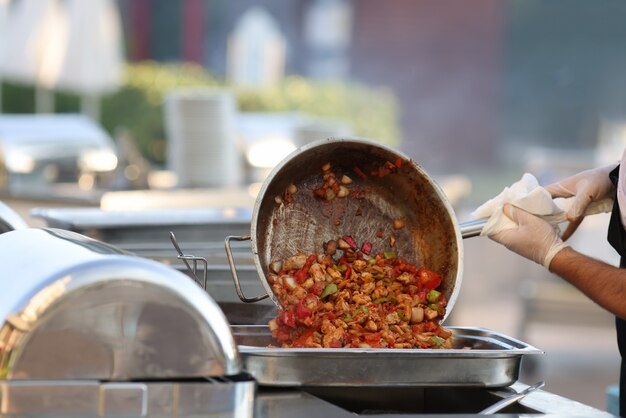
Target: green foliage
(138, 105)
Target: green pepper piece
(437, 340)
(347, 317)
(361, 308)
(389, 254)
(372, 261)
(380, 300)
(433, 296)
(329, 290)
(434, 307)
(401, 315)
(341, 268)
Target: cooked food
(359, 300)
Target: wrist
(555, 255)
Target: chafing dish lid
(73, 307)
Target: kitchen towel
(526, 194)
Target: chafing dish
(88, 328)
(9, 219)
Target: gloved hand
(533, 238)
(585, 187)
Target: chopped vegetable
(398, 224)
(366, 248)
(433, 296)
(351, 242)
(389, 254)
(329, 290)
(358, 300)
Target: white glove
(584, 188)
(533, 238)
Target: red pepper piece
(346, 276)
(366, 248)
(351, 242)
(360, 173)
(398, 162)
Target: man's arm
(601, 282)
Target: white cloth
(526, 194)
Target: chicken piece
(317, 272)
(295, 263)
(361, 299)
(379, 292)
(367, 277)
(327, 326)
(339, 323)
(359, 265)
(368, 288)
(334, 273)
(404, 298)
(392, 318)
(405, 278)
(308, 283)
(371, 326)
(341, 305)
(333, 339)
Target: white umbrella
(33, 46)
(93, 61)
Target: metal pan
(430, 237)
(479, 357)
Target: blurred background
(139, 105)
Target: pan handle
(233, 269)
(472, 228)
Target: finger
(572, 226)
(517, 215)
(580, 202)
(558, 190)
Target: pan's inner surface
(301, 226)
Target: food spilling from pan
(357, 301)
(347, 297)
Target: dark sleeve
(616, 234)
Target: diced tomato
(302, 311)
(289, 319)
(301, 275)
(429, 279)
(301, 340)
(316, 289)
(372, 337)
(283, 335)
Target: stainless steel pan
(281, 228)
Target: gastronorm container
(479, 358)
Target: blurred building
(473, 79)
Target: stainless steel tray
(480, 358)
